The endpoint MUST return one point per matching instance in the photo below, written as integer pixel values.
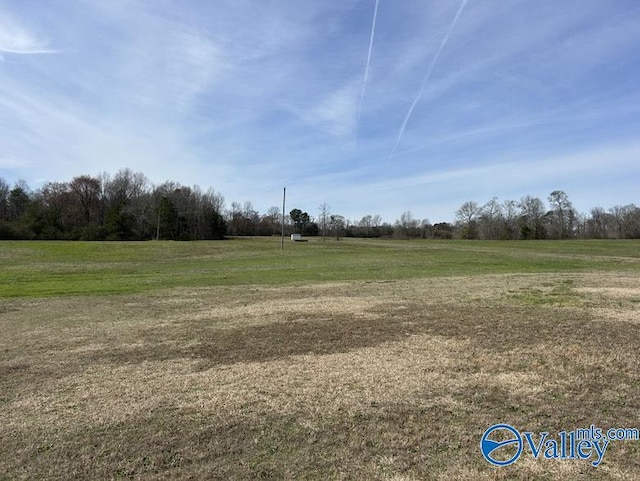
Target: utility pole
(284, 197)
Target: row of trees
(530, 218)
(126, 206)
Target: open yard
(357, 359)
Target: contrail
(366, 70)
(428, 76)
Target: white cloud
(336, 113)
(15, 39)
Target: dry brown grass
(361, 380)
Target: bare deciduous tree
(564, 215)
(467, 217)
(491, 220)
(325, 213)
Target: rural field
(357, 359)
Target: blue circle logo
(501, 440)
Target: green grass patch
(560, 293)
(45, 269)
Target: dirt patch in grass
(367, 380)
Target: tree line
(127, 206)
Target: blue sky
(433, 104)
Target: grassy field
(357, 359)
